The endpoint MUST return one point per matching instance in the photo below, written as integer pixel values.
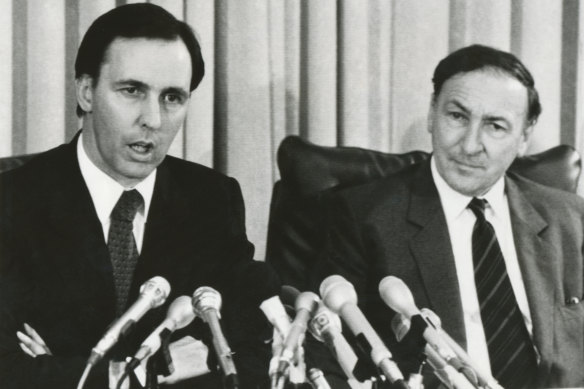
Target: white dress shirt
(460, 221)
(105, 193)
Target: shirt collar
(455, 203)
(104, 190)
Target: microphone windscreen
(395, 293)
(336, 292)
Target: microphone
(326, 327)
(398, 297)
(179, 315)
(306, 305)
(276, 314)
(339, 295)
(207, 305)
(153, 293)
(317, 379)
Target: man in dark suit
(417, 225)
(60, 286)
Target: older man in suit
(497, 257)
(63, 277)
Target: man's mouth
(141, 147)
(468, 165)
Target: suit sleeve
(244, 285)
(17, 369)
(20, 297)
(344, 248)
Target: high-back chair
(309, 173)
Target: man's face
(136, 107)
(478, 126)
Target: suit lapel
(81, 251)
(432, 251)
(536, 260)
(167, 214)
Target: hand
(189, 357)
(31, 342)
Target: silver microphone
(207, 305)
(306, 305)
(180, 314)
(339, 295)
(153, 293)
(398, 297)
(326, 327)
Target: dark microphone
(398, 297)
(179, 315)
(339, 295)
(153, 293)
(207, 305)
(306, 305)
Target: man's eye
(455, 115)
(498, 127)
(173, 99)
(131, 90)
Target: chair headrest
(307, 168)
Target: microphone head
(398, 296)
(288, 295)
(206, 298)
(324, 320)
(156, 289)
(307, 301)
(181, 312)
(336, 291)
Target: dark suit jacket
(56, 274)
(396, 226)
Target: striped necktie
(512, 355)
(122, 246)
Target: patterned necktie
(512, 356)
(122, 246)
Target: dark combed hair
(478, 57)
(142, 20)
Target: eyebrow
(177, 91)
(491, 118)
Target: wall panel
(420, 40)
(318, 107)
(6, 78)
(379, 73)
(353, 68)
(45, 121)
(485, 22)
(243, 100)
(541, 22)
(200, 14)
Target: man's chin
(466, 186)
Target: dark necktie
(122, 246)
(512, 356)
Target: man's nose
(471, 141)
(150, 115)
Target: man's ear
(84, 89)
(525, 137)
